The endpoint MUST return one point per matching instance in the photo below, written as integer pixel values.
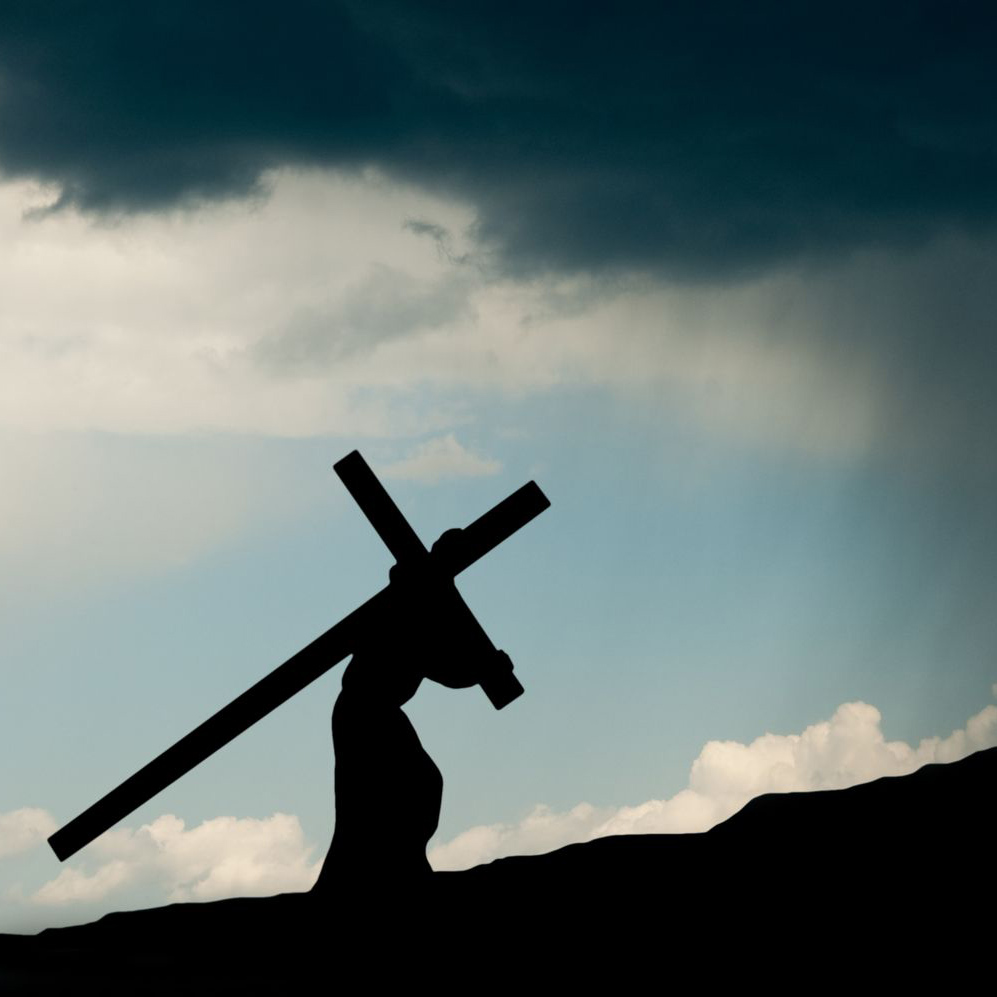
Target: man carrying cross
(381, 766)
(417, 627)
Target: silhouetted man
(388, 790)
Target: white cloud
(21, 830)
(223, 857)
(75, 885)
(441, 457)
(844, 751)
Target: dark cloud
(697, 139)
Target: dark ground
(887, 884)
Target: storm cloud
(698, 141)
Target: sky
(720, 278)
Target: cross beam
(326, 651)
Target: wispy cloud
(77, 512)
(441, 457)
(385, 305)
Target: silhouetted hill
(888, 882)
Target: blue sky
(769, 562)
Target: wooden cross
(338, 642)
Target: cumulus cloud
(440, 457)
(21, 830)
(222, 857)
(844, 751)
